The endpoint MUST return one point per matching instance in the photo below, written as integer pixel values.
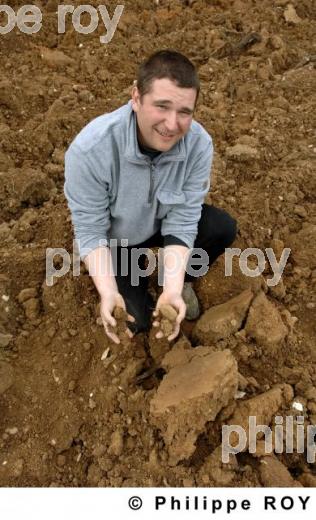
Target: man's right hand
(108, 303)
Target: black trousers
(216, 231)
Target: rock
(27, 294)
(56, 59)
(276, 42)
(263, 407)
(32, 308)
(65, 427)
(35, 187)
(278, 291)
(180, 354)
(26, 186)
(290, 15)
(218, 472)
(4, 129)
(274, 474)
(192, 394)
(308, 480)
(117, 443)
(5, 339)
(86, 96)
(58, 156)
(12, 431)
(300, 211)
(6, 376)
(9, 96)
(5, 231)
(17, 468)
(221, 321)
(72, 386)
(242, 152)
(264, 323)
(61, 460)
(94, 474)
(231, 280)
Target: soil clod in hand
(120, 316)
(169, 316)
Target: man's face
(164, 114)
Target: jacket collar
(132, 151)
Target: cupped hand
(108, 303)
(176, 301)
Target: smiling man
(136, 178)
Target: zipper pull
(151, 181)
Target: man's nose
(171, 121)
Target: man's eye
(162, 106)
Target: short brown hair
(167, 64)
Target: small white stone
(297, 406)
(239, 395)
(105, 354)
(12, 431)
(5, 298)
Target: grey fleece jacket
(116, 192)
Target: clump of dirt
(75, 409)
(193, 393)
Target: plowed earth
(70, 418)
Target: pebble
(92, 404)
(5, 339)
(51, 332)
(12, 431)
(61, 460)
(300, 211)
(72, 385)
(27, 294)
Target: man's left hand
(176, 301)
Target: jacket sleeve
(182, 219)
(88, 200)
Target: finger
(159, 335)
(130, 318)
(108, 319)
(175, 333)
(180, 318)
(156, 323)
(156, 313)
(181, 314)
(129, 333)
(112, 337)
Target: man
(140, 174)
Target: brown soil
(70, 418)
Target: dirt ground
(70, 418)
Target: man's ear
(135, 97)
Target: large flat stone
(264, 323)
(189, 396)
(222, 320)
